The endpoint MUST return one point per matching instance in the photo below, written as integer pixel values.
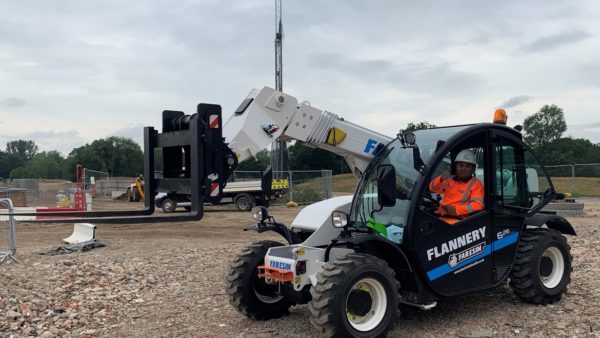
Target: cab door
(455, 258)
(520, 188)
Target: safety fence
(576, 179)
(8, 242)
(300, 186)
(306, 186)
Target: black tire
(249, 294)
(542, 268)
(168, 205)
(244, 202)
(342, 291)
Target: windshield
(365, 203)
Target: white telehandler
(353, 259)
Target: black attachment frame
(196, 161)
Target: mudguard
(553, 221)
(291, 237)
(388, 249)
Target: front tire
(251, 295)
(542, 268)
(357, 296)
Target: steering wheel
(431, 203)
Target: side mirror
(386, 185)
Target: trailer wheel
(355, 296)
(251, 295)
(168, 205)
(244, 202)
(542, 268)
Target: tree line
(119, 156)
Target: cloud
(431, 78)
(62, 141)
(13, 102)
(515, 101)
(550, 42)
(586, 126)
(135, 132)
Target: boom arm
(267, 114)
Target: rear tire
(542, 268)
(168, 205)
(244, 202)
(249, 294)
(355, 296)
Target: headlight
(260, 214)
(339, 219)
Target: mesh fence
(8, 244)
(97, 183)
(303, 186)
(307, 186)
(576, 179)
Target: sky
(74, 71)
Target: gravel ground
(166, 280)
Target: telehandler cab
(385, 245)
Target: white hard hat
(466, 155)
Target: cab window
(520, 180)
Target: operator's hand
(445, 174)
(449, 209)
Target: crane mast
(280, 161)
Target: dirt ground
(168, 280)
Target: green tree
(8, 162)
(43, 165)
(545, 126)
(571, 151)
(306, 158)
(118, 156)
(24, 149)
(260, 162)
(418, 126)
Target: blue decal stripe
(495, 246)
(505, 241)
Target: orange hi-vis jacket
(466, 197)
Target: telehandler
(354, 259)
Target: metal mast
(280, 161)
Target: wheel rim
(374, 315)
(243, 203)
(169, 206)
(552, 275)
(260, 287)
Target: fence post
(572, 178)
(291, 191)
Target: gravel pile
(153, 282)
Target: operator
(463, 193)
